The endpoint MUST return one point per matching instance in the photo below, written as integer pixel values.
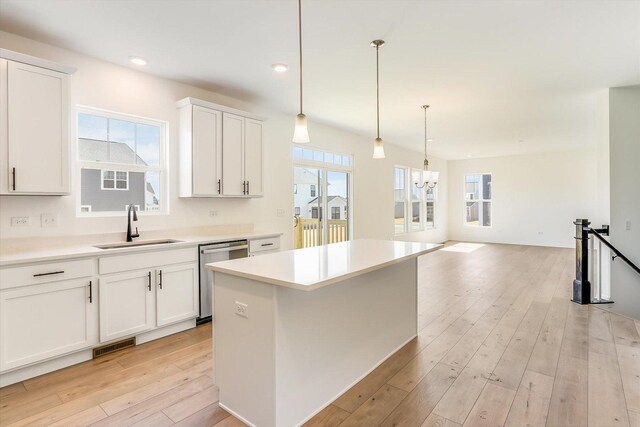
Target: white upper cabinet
(233, 182)
(220, 151)
(34, 129)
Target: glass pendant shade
(378, 149)
(301, 133)
(430, 177)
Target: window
(335, 212)
(315, 211)
(297, 210)
(122, 162)
(320, 156)
(477, 196)
(400, 199)
(414, 207)
(313, 190)
(295, 188)
(430, 219)
(115, 180)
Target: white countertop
(312, 268)
(88, 250)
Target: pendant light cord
(377, 92)
(300, 45)
(425, 133)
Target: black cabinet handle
(48, 274)
(149, 281)
(13, 172)
(219, 185)
(247, 187)
(90, 292)
(267, 244)
(244, 187)
(160, 279)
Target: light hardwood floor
(499, 344)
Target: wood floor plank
(513, 362)
(17, 410)
(531, 404)
(331, 416)
(569, 399)
(191, 405)
(230, 422)
(83, 418)
(491, 408)
(148, 391)
(634, 419)
(12, 389)
(435, 420)
(208, 416)
(544, 358)
(365, 388)
(135, 412)
(607, 404)
(377, 408)
(458, 401)
(158, 419)
(416, 407)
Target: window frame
(480, 200)
(408, 202)
(162, 168)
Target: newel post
(581, 285)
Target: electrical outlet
(19, 221)
(242, 309)
(48, 220)
(280, 213)
(213, 213)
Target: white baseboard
(235, 414)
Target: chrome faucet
(130, 235)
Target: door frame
(323, 186)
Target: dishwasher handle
(226, 249)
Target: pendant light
(378, 148)
(300, 132)
(430, 178)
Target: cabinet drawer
(268, 244)
(138, 260)
(33, 274)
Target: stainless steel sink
(136, 244)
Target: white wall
(624, 141)
(111, 87)
(535, 197)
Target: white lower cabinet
(43, 321)
(176, 293)
(126, 304)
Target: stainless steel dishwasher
(213, 252)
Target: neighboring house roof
(106, 151)
(329, 199)
(150, 188)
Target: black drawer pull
(266, 244)
(48, 274)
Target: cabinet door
(43, 321)
(37, 131)
(206, 151)
(232, 156)
(177, 293)
(253, 156)
(126, 304)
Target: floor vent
(110, 348)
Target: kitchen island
(293, 330)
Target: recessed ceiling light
(468, 156)
(280, 68)
(429, 139)
(137, 60)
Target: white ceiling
(494, 72)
